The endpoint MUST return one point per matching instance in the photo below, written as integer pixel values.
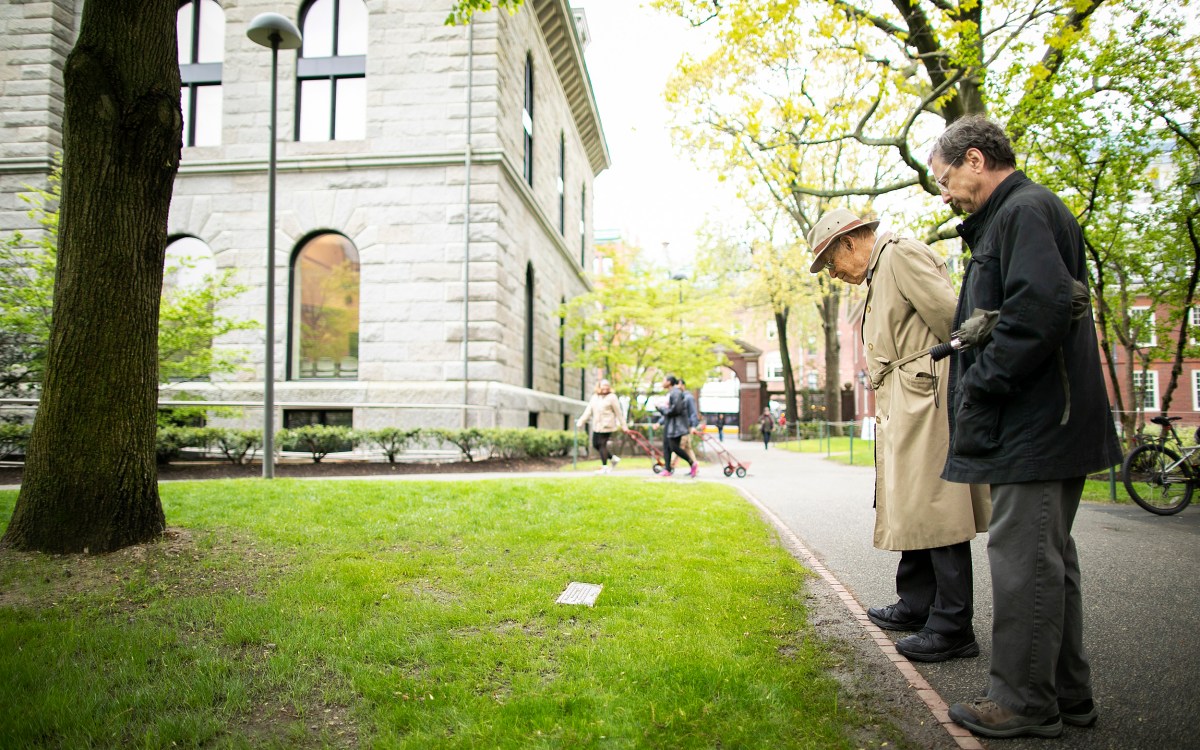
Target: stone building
(434, 191)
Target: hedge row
(240, 446)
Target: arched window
(324, 310)
(332, 71)
(527, 119)
(189, 266)
(529, 325)
(200, 29)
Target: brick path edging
(937, 706)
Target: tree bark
(830, 300)
(90, 482)
(789, 375)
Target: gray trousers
(1037, 625)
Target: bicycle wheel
(1156, 480)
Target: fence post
(851, 443)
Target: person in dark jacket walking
(675, 425)
(1030, 417)
(766, 423)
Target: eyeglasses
(942, 182)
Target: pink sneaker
(694, 470)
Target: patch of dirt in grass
(870, 684)
(122, 583)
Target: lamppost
(274, 31)
(679, 276)
(1194, 185)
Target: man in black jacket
(1030, 417)
(675, 425)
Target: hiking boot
(1081, 713)
(889, 619)
(929, 646)
(985, 717)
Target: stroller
(732, 465)
(654, 453)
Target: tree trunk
(789, 376)
(90, 482)
(1182, 336)
(830, 300)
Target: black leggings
(675, 446)
(600, 443)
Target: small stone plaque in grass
(580, 593)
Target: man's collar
(981, 217)
(876, 251)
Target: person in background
(604, 410)
(720, 421)
(693, 424)
(675, 425)
(1029, 416)
(930, 522)
(767, 424)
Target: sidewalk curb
(934, 702)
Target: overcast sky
(651, 194)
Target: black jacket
(675, 414)
(1009, 395)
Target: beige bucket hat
(831, 226)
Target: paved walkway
(1141, 598)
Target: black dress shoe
(930, 646)
(888, 619)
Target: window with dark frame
(527, 119)
(331, 72)
(529, 327)
(200, 33)
(562, 352)
(562, 184)
(324, 311)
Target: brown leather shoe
(986, 717)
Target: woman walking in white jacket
(605, 412)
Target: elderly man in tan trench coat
(909, 307)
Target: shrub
(392, 440)
(467, 441)
(170, 440)
(503, 442)
(14, 438)
(543, 443)
(238, 446)
(319, 440)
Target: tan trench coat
(909, 307)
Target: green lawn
(836, 448)
(422, 615)
(839, 449)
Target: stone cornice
(558, 28)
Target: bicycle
(1161, 474)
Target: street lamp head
(679, 276)
(273, 30)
